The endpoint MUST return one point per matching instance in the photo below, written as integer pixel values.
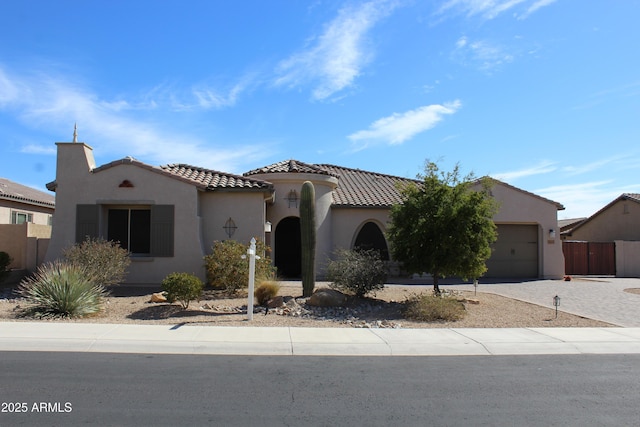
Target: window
(141, 230)
(21, 217)
(132, 228)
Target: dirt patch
(633, 291)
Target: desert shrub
(105, 261)
(266, 290)
(229, 271)
(358, 272)
(182, 287)
(430, 307)
(61, 289)
(5, 261)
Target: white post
(252, 272)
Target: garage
(515, 253)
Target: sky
(541, 94)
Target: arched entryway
(370, 237)
(287, 252)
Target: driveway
(599, 298)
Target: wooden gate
(589, 258)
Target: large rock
(325, 297)
(158, 297)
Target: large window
(132, 228)
(142, 230)
(21, 217)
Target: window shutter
(86, 222)
(162, 218)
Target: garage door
(515, 253)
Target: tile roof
(359, 188)
(289, 166)
(212, 180)
(13, 191)
(356, 188)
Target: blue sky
(542, 94)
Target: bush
(60, 289)
(358, 272)
(182, 287)
(104, 260)
(228, 271)
(267, 290)
(5, 261)
(429, 308)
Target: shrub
(267, 290)
(229, 271)
(105, 261)
(429, 308)
(358, 272)
(61, 289)
(182, 287)
(5, 261)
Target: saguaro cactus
(308, 237)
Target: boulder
(275, 302)
(325, 297)
(158, 297)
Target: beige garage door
(515, 253)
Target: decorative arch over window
(371, 237)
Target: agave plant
(60, 289)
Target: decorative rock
(275, 302)
(324, 297)
(472, 301)
(158, 297)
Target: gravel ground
(132, 305)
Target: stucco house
(25, 224)
(169, 216)
(608, 242)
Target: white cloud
(541, 168)
(112, 128)
(481, 53)
(581, 199)
(490, 9)
(337, 56)
(399, 127)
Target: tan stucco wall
(517, 207)
(25, 243)
(627, 259)
(246, 209)
(280, 209)
(611, 224)
(78, 185)
(40, 214)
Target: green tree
(443, 226)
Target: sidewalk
(183, 339)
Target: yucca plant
(60, 289)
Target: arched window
(370, 237)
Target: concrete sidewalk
(187, 339)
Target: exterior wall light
(267, 227)
(552, 234)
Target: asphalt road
(69, 389)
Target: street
(145, 389)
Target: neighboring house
(608, 242)
(566, 225)
(25, 224)
(169, 216)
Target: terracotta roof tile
(359, 188)
(14, 191)
(289, 166)
(212, 180)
